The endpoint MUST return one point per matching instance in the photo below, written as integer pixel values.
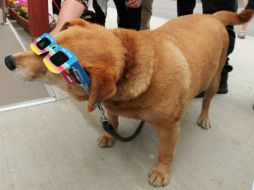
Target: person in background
(244, 28)
(185, 7)
(129, 13)
(250, 5)
(146, 14)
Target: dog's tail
(231, 18)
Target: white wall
(50, 6)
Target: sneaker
(241, 35)
(223, 89)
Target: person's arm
(70, 9)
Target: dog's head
(98, 51)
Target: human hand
(133, 3)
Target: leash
(107, 126)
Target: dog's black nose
(10, 63)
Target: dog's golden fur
(146, 75)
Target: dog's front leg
(159, 175)
(106, 140)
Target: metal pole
(2, 4)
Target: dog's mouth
(25, 75)
(22, 75)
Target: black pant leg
(250, 4)
(97, 16)
(128, 17)
(100, 17)
(212, 6)
(231, 34)
(185, 7)
(55, 9)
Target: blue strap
(80, 76)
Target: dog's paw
(158, 179)
(105, 141)
(204, 123)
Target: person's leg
(242, 33)
(146, 14)
(212, 6)
(244, 27)
(250, 5)
(185, 7)
(128, 17)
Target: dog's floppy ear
(73, 22)
(103, 84)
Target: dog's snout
(10, 63)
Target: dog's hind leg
(106, 140)
(159, 175)
(203, 120)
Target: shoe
(223, 89)
(241, 35)
(200, 95)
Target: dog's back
(200, 40)
(188, 52)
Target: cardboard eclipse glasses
(60, 60)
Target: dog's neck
(138, 67)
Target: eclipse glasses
(60, 60)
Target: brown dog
(146, 75)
